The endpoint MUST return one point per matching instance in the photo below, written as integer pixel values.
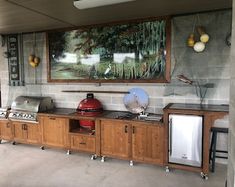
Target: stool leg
(211, 147)
(214, 152)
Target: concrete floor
(28, 166)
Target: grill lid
(90, 106)
(32, 104)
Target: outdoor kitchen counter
(107, 114)
(63, 128)
(210, 113)
(197, 107)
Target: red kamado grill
(89, 107)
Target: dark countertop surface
(61, 111)
(107, 114)
(203, 107)
(125, 115)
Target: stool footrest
(220, 151)
(225, 157)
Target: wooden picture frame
(136, 51)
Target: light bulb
(199, 46)
(204, 38)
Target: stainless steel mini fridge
(185, 139)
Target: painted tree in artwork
(145, 38)
(57, 45)
(141, 46)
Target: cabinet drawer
(83, 143)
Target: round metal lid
(136, 101)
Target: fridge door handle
(170, 136)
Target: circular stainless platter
(136, 101)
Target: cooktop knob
(30, 116)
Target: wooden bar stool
(213, 151)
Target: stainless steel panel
(185, 139)
(32, 104)
(26, 107)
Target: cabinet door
(147, 143)
(53, 131)
(138, 142)
(154, 144)
(32, 133)
(19, 131)
(114, 139)
(6, 130)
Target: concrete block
(116, 100)
(158, 110)
(232, 119)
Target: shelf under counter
(83, 132)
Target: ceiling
(18, 16)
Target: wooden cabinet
(210, 113)
(82, 139)
(138, 141)
(19, 131)
(54, 131)
(26, 132)
(6, 130)
(115, 140)
(148, 142)
(82, 142)
(33, 133)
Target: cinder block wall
(210, 66)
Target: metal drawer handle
(82, 143)
(133, 130)
(51, 118)
(24, 127)
(126, 128)
(8, 125)
(170, 136)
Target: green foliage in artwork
(57, 44)
(146, 40)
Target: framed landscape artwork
(133, 51)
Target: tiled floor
(28, 166)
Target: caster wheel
(102, 159)
(93, 157)
(204, 176)
(167, 169)
(131, 163)
(13, 143)
(42, 148)
(68, 152)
